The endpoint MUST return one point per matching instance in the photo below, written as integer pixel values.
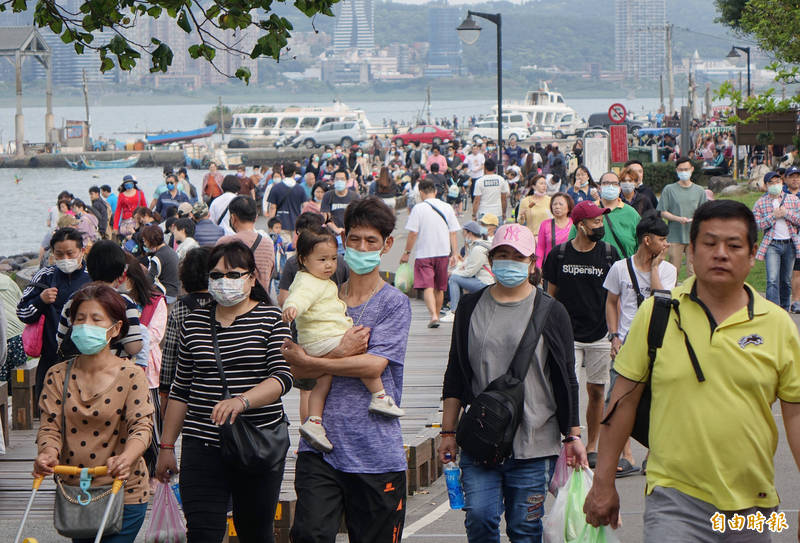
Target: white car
(569, 125)
(484, 130)
(344, 133)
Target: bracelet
(245, 402)
(571, 438)
(446, 433)
(164, 446)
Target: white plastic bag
(561, 473)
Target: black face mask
(596, 233)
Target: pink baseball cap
(515, 236)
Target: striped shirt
(169, 358)
(250, 349)
(118, 346)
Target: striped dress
(250, 349)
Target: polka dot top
(97, 428)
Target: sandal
(625, 469)
(434, 324)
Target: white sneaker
(385, 406)
(314, 433)
(447, 317)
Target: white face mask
(228, 292)
(68, 265)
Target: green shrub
(658, 175)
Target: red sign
(617, 113)
(619, 143)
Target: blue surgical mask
(339, 185)
(127, 186)
(484, 230)
(358, 153)
(609, 192)
(775, 189)
(170, 186)
(510, 273)
(685, 175)
(88, 338)
(326, 156)
(362, 262)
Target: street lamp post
(469, 31)
(735, 54)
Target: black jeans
(207, 485)
(373, 503)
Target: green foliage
(730, 12)
(658, 175)
(212, 117)
(210, 24)
(774, 23)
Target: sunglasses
(228, 275)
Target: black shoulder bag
(245, 446)
(635, 282)
(487, 427)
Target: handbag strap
(542, 304)
(611, 227)
(213, 322)
(552, 233)
(634, 281)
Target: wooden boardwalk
(426, 359)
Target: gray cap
(473, 228)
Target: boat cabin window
(309, 122)
(249, 122)
(560, 100)
(268, 122)
(567, 118)
(289, 122)
(330, 119)
(515, 119)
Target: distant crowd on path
(135, 321)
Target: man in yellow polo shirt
(712, 433)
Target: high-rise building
(444, 55)
(355, 26)
(639, 37)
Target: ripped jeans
(518, 487)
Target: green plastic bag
(603, 534)
(404, 277)
(574, 517)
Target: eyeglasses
(228, 275)
(609, 184)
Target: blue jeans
(780, 262)
(517, 486)
(132, 520)
(457, 282)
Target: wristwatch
(612, 335)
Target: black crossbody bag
(245, 446)
(487, 427)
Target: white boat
(546, 110)
(267, 126)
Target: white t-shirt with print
(433, 235)
(489, 188)
(618, 281)
(474, 164)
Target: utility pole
(221, 119)
(661, 91)
(86, 106)
(670, 80)
(428, 103)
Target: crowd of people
(174, 316)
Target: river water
(23, 208)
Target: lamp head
(469, 31)
(734, 53)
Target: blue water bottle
(177, 491)
(452, 475)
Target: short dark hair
(244, 208)
(66, 234)
(64, 195)
(193, 270)
(238, 255)
(105, 261)
(183, 171)
(231, 183)
(79, 203)
(288, 169)
(185, 225)
(153, 235)
(372, 212)
(567, 197)
(307, 220)
(144, 212)
(724, 209)
(142, 287)
(272, 222)
(113, 304)
(651, 223)
(345, 172)
(310, 238)
(682, 160)
(490, 165)
(318, 185)
(106, 188)
(172, 176)
(170, 220)
(94, 189)
(427, 186)
(634, 161)
(434, 168)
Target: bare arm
(282, 295)
(612, 312)
(504, 202)
(410, 241)
(448, 446)
(671, 217)
(133, 347)
(476, 205)
(791, 422)
(271, 210)
(358, 365)
(552, 290)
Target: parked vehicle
(257, 126)
(601, 120)
(344, 133)
(488, 130)
(569, 125)
(424, 133)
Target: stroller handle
(99, 471)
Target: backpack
(487, 428)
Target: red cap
(587, 210)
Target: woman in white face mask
(247, 334)
(534, 209)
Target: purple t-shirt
(363, 442)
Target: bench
(4, 411)
(284, 516)
(418, 455)
(23, 380)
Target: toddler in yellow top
(321, 320)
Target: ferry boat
(267, 126)
(545, 110)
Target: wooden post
(19, 120)
(49, 119)
(23, 380)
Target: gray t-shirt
(494, 333)
(681, 201)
